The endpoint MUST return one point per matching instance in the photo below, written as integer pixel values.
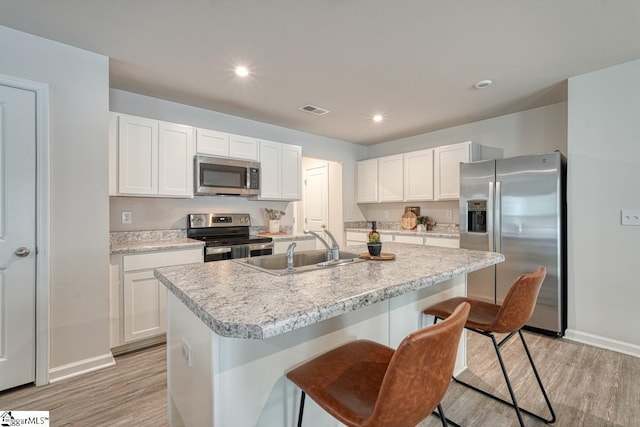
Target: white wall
(167, 213)
(603, 177)
(79, 246)
(533, 131)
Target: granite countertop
(260, 305)
(450, 234)
(130, 242)
(288, 236)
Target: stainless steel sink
(302, 261)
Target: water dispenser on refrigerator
(477, 216)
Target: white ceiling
(415, 61)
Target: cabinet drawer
(414, 240)
(443, 242)
(161, 259)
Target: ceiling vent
(314, 110)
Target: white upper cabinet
(367, 176)
(447, 169)
(291, 172)
(270, 170)
(280, 171)
(430, 174)
(175, 160)
(390, 179)
(243, 147)
(418, 175)
(154, 158)
(212, 142)
(137, 155)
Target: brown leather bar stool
(363, 383)
(488, 319)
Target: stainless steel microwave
(219, 176)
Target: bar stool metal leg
(514, 402)
(301, 411)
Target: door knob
(22, 252)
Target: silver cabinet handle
(22, 252)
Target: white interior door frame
(42, 220)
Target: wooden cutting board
(408, 221)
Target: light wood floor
(588, 387)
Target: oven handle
(217, 250)
(260, 246)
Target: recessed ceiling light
(377, 118)
(483, 84)
(242, 71)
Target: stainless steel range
(226, 236)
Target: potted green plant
(374, 246)
(422, 222)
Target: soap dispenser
(374, 236)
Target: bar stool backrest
(517, 307)
(419, 373)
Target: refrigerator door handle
(498, 219)
(490, 212)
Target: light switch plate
(630, 216)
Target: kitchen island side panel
(242, 382)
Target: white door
(17, 236)
(316, 200)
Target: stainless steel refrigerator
(517, 206)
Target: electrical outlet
(186, 352)
(449, 214)
(386, 214)
(630, 216)
(126, 217)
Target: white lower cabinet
(138, 299)
(443, 242)
(280, 247)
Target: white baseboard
(602, 342)
(81, 367)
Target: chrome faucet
(334, 249)
(290, 257)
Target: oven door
(259, 249)
(217, 253)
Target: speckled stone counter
(129, 242)
(444, 233)
(290, 237)
(240, 302)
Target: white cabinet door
(144, 306)
(137, 155)
(447, 169)
(442, 242)
(418, 175)
(113, 154)
(291, 172)
(280, 247)
(243, 147)
(175, 160)
(390, 178)
(270, 170)
(367, 175)
(212, 142)
(355, 238)
(413, 240)
(280, 171)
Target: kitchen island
(233, 331)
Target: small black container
(374, 248)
